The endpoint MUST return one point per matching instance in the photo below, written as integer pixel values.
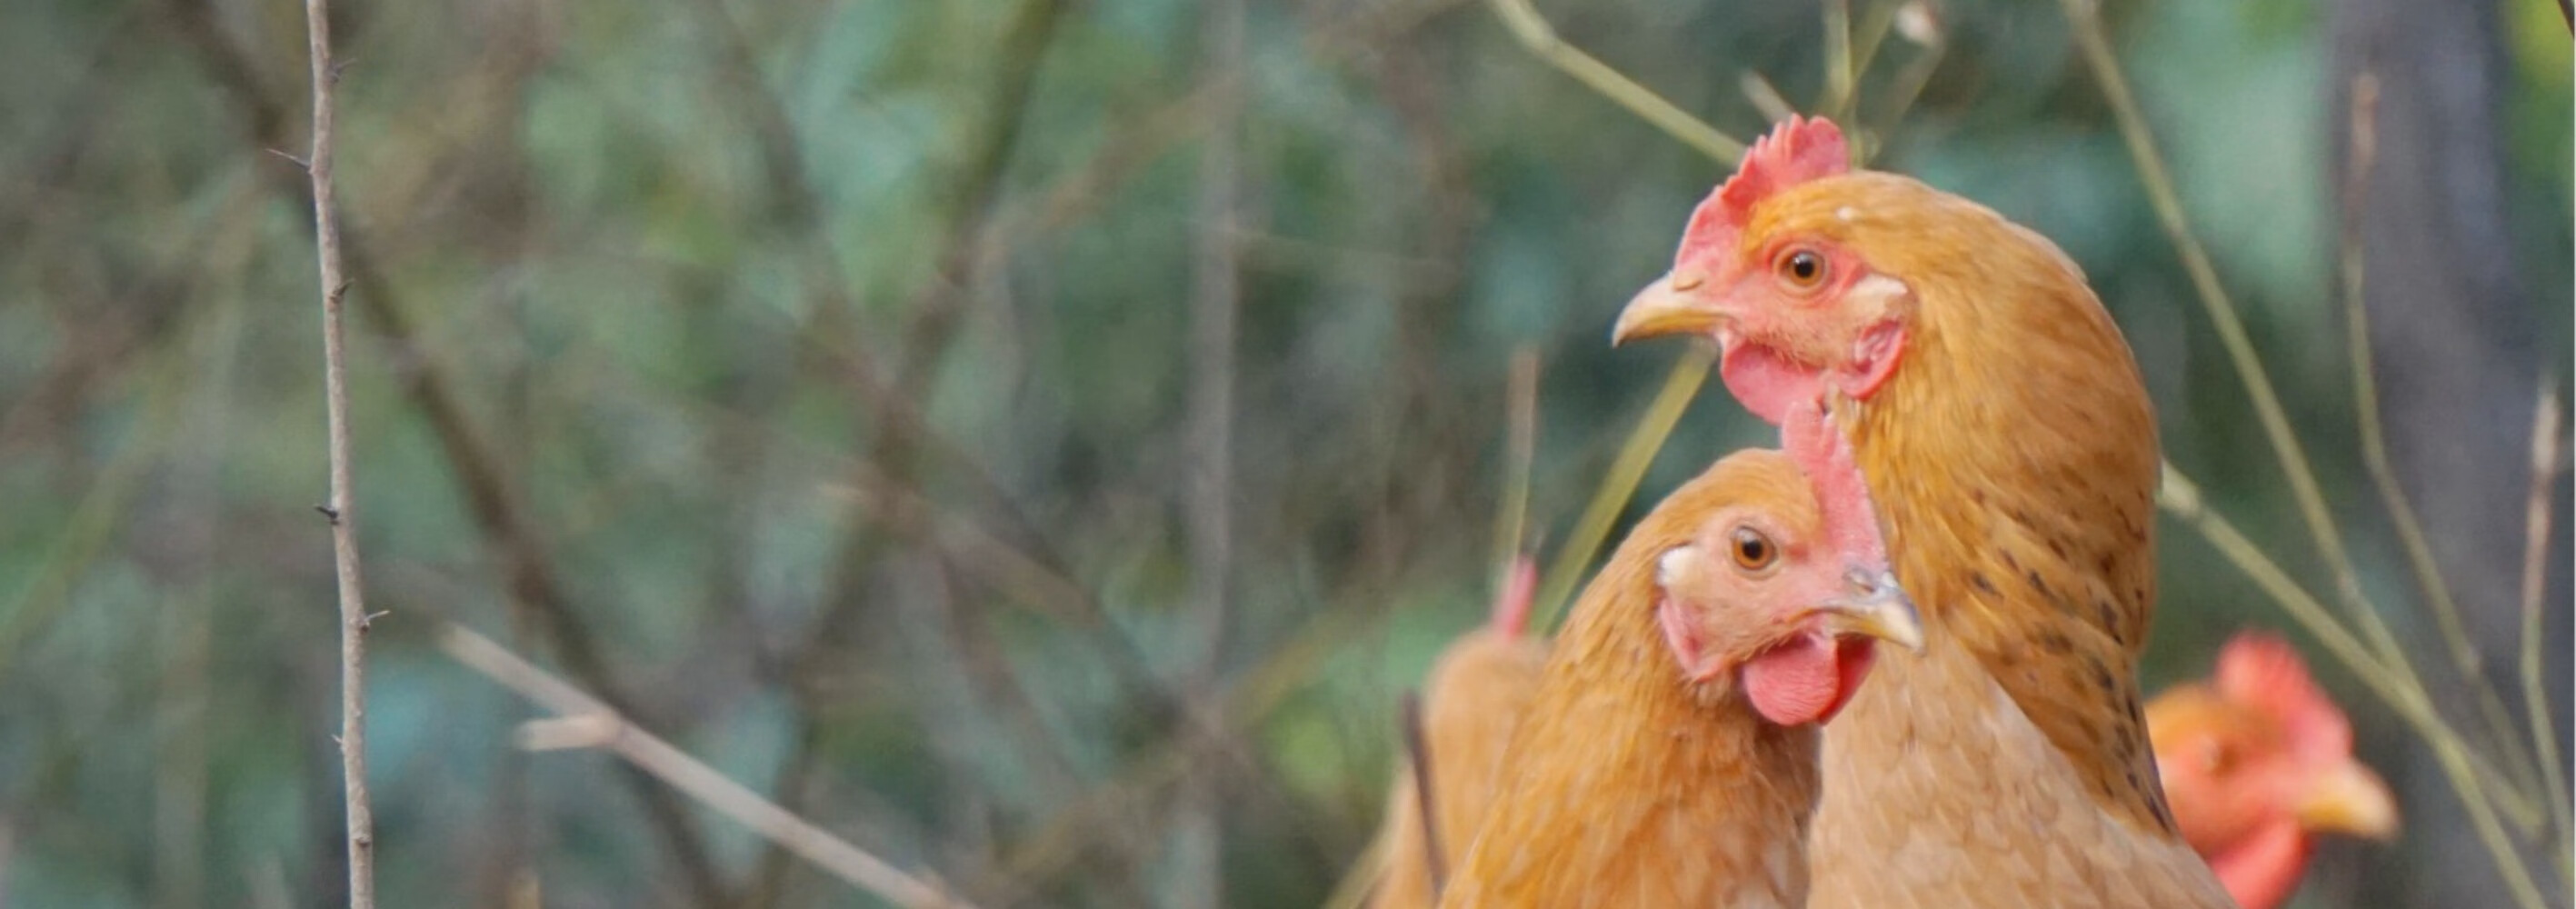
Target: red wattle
(1767, 384)
(1807, 680)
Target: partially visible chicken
(1669, 759)
(2010, 446)
(2258, 763)
(1474, 697)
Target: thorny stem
(343, 507)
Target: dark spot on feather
(2057, 549)
(2102, 675)
(1983, 585)
(2037, 584)
(2110, 619)
(2055, 641)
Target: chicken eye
(1753, 551)
(1802, 268)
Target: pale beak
(1666, 307)
(1880, 610)
(2349, 800)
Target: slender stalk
(1534, 33)
(1635, 455)
(1839, 75)
(2546, 424)
(2167, 203)
(583, 721)
(2374, 456)
(1519, 453)
(342, 508)
(1194, 845)
(2470, 775)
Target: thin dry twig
(2469, 772)
(342, 508)
(2167, 203)
(2483, 796)
(1534, 33)
(1520, 448)
(2546, 423)
(1635, 455)
(585, 722)
(2364, 143)
(1196, 840)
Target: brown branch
(585, 721)
(508, 534)
(343, 507)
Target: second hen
(1475, 695)
(1669, 758)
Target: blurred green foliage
(835, 395)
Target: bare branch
(342, 509)
(584, 721)
(2546, 424)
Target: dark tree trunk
(2454, 336)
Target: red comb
(1796, 151)
(1512, 604)
(2265, 672)
(1824, 454)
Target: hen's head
(1812, 276)
(1779, 597)
(2260, 747)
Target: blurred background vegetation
(1037, 440)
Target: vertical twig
(1215, 295)
(2363, 145)
(2546, 423)
(1417, 749)
(1839, 75)
(1635, 455)
(1520, 449)
(342, 509)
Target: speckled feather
(2013, 458)
(1627, 787)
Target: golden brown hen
(2004, 432)
(1669, 759)
(1476, 693)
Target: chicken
(1474, 696)
(2258, 763)
(2004, 434)
(1669, 758)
